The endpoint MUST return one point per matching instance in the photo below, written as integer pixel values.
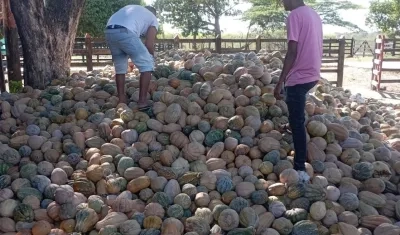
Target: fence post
(218, 43)
(342, 44)
(394, 47)
(89, 52)
(258, 43)
(353, 44)
(176, 41)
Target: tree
(47, 30)
(268, 14)
(196, 16)
(96, 14)
(385, 15)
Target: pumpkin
(316, 128)
(228, 219)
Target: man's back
(304, 26)
(136, 18)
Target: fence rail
(93, 52)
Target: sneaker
(303, 176)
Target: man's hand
(277, 91)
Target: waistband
(115, 26)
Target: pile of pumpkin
(208, 158)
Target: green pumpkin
(296, 190)
(305, 227)
(5, 181)
(4, 168)
(259, 197)
(318, 166)
(187, 130)
(233, 134)
(23, 213)
(204, 126)
(302, 202)
(46, 95)
(295, 215)
(362, 171)
(242, 231)
(262, 108)
(150, 231)
(163, 138)
(27, 191)
(162, 71)
(275, 111)
(213, 137)
(85, 220)
(185, 75)
(175, 211)
(141, 127)
(314, 192)
(248, 217)
(110, 89)
(238, 204)
(56, 99)
(330, 137)
(124, 163)
(349, 201)
(162, 199)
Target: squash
(305, 227)
(316, 128)
(228, 219)
(198, 225)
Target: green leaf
(385, 15)
(268, 14)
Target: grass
(15, 86)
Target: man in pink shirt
(301, 72)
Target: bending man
(123, 33)
(301, 72)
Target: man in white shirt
(123, 33)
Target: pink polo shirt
(304, 26)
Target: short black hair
(152, 9)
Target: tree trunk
(217, 28)
(194, 41)
(47, 30)
(11, 40)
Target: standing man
(301, 72)
(123, 33)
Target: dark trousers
(296, 102)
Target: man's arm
(293, 31)
(290, 58)
(150, 39)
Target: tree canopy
(96, 14)
(385, 15)
(268, 14)
(196, 16)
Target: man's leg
(142, 59)
(143, 89)
(120, 82)
(296, 101)
(120, 59)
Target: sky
(235, 25)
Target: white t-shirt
(136, 18)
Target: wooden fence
(93, 52)
(382, 47)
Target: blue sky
(235, 25)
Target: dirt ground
(357, 78)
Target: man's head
(152, 9)
(292, 4)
